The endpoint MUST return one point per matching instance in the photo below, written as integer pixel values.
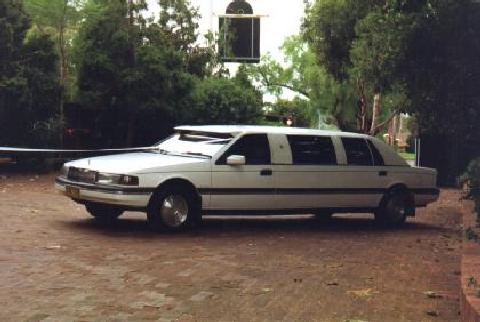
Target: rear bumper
(424, 196)
(131, 197)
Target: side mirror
(236, 160)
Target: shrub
(472, 178)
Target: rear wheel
(103, 212)
(173, 208)
(393, 209)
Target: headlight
(122, 179)
(64, 171)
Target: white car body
(282, 185)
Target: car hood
(135, 162)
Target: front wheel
(173, 209)
(393, 209)
(103, 212)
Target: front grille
(81, 175)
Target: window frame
(222, 159)
(366, 141)
(328, 137)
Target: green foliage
(220, 100)
(132, 77)
(28, 82)
(443, 71)
(329, 27)
(137, 78)
(472, 178)
(378, 52)
(317, 91)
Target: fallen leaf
(363, 293)
(332, 283)
(52, 247)
(433, 295)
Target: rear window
(377, 157)
(309, 149)
(358, 152)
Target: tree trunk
(375, 113)
(63, 70)
(131, 61)
(62, 83)
(362, 108)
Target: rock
(201, 296)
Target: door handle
(383, 173)
(266, 172)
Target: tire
(393, 209)
(174, 208)
(103, 212)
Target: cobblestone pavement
(57, 264)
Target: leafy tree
(362, 46)
(329, 27)
(127, 70)
(300, 73)
(442, 76)
(58, 19)
(221, 100)
(28, 83)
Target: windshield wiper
(197, 154)
(156, 151)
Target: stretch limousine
(251, 170)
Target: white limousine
(251, 170)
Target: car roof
(250, 129)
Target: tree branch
(380, 126)
(267, 83)
(290, 87)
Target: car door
(309, 179)
(364, 176)
(244, 187)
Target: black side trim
(308, 191)
(106, 189)
(426, 191)
(296, 191)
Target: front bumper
(114, 195)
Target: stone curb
(470, 267)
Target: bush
(472, 178)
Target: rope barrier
(26, 150)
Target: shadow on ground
(219, 226)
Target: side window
(308, 149)
(358, 152)
(377, 157)
(255, 148)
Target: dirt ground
(57, 264)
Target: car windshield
(194, 144)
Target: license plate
(73, 192)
